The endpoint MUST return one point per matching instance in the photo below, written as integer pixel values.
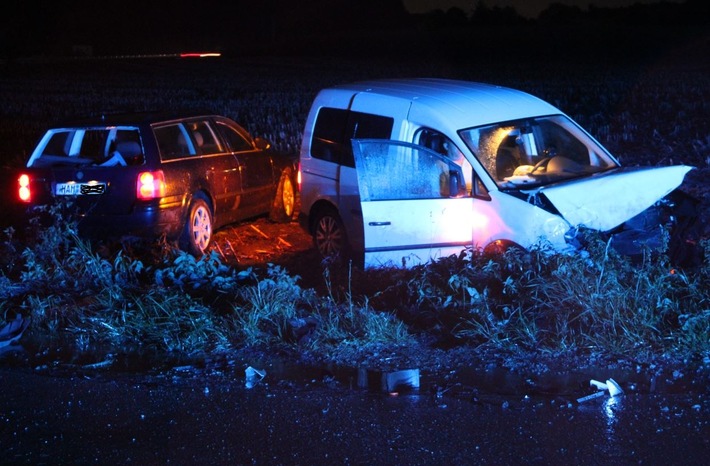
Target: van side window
(439, 143)
(328, 134)
(335, 128)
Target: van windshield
(536, 151)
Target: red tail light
(24, 192)
(150, 185)
(298, 177)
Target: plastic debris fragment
(598, 384)
(614, 388)
(610, 385)
(253, 376)
(404, 379)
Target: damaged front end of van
(636, 209)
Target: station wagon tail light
(150, 185)
(24, 191)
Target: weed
(519, 301)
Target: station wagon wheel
(329, 235)
(285, 200)
(197, 234)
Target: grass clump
(520, 301)
(164, 300)
(538, 301)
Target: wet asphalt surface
(188, 415)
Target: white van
(401, 172)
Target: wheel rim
(329, 236)
(287, 197)
(201, 228)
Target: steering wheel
(541, 164)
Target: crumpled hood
(607, 200)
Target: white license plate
(80, 189)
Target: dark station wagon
(156, 174)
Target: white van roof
(454, 104)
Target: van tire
(329, 236)
(197, 233)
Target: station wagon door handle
(379, 224)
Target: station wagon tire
(284, 204)
(329, 236)
(197, 234)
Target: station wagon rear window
(87, 147)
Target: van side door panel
(413, 202)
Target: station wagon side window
(174, 142)
(335, 128)
(203, 138)
(237, 142)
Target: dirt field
(259, 242)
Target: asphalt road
(190, 417)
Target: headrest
(199, 140)
(128, 148)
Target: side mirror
(262, 144)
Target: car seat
(507, 158)
(130, 151)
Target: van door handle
(379, 224)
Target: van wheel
(285, 200)
(329, 235)
(197, 235)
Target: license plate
(80, 189)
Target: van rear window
(335, 128)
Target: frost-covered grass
(152, 297)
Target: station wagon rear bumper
(149, 223)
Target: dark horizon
(340, 27)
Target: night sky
(527, 8)
(342, 27)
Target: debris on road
(398, 380)
(610, 385)
(253, 376)
(259, 231)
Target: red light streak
(200, 54)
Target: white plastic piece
(598, 384)
(408, 379)
(253, 376)
(614, 388)
(590, 397)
